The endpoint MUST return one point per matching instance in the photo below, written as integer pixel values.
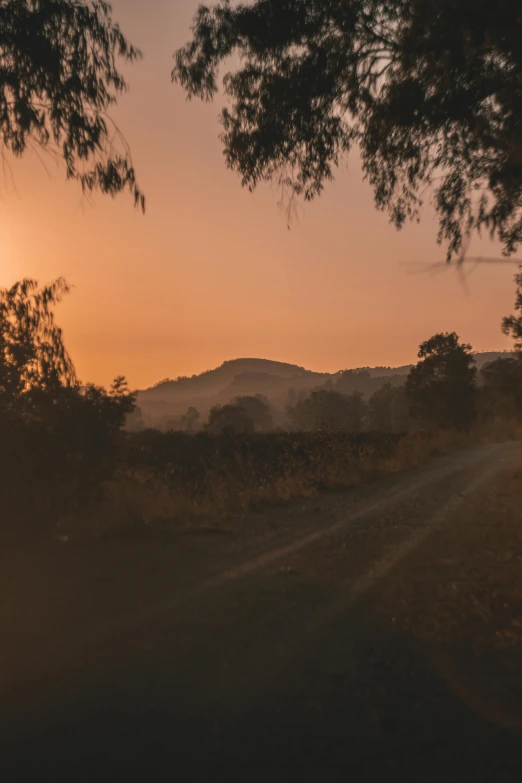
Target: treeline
(444, 390)
(59, 438)
(65, 445)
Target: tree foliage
(501, 389)
(57, 436)
(441, 387)
(231, 418)
(258, 408)
(388, 410)
(32, 353)
(328, 410)
(59, 78)
(429, 90)
(512, 324)
(190, 419)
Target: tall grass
(177, 478)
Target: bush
(183, 476)
(58, 450)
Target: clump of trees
(501, 390)
(64, 440)
(190, 420)
(363, 381)
(512, 324)
(388, 410)
(430, 93)
(231, 418)
(61, 75)
(243, 414)
(444, 390)
(58, 437)
(327, 409)
(257, 407)
(441, 387)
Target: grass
(178, 479)
(153, 478)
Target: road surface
(350, 636)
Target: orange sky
(212, 272)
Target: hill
(169, 399)
(218, 386)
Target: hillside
(169, 399)
(237, 376)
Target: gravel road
(345, 637)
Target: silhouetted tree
(58, 80)
(388, 410)
(441, 387)
(379, 410)
(501, 389)
(36, 371)
(135, 422)
(512, 324)
(365, 383)
(85, 420)
(229, 418)
(189, 420)
(32, 353)
(56, 434)
(430, 91)
(258, 408)
(328, 410)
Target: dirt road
(346, 637)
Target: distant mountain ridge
(250, 376)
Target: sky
(212, 272)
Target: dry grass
(175, 479)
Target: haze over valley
(164, 404)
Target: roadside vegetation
(76, 456)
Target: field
(177, 479)
(378, 628)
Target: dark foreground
(348, 637)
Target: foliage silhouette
(388, 410)
(512, 324)
(58, 438)
(189, 421)
(258, 409)
(362, 381)
(231, 418)
(329, 410)
(210, 474)
(430, 92)
(501, 389)
(32, 353)
(59, 78)
(441, 387)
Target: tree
(512, 324)
(327, 409)
(86, 421)
(59, 78)
(501, 389)
(429, 90)
(135, 421)
(37, 375)
(258, 408)
(229, 418)
(189, 420)
(32, 352)
(57, 436)
(441, 387)
(388, 410)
